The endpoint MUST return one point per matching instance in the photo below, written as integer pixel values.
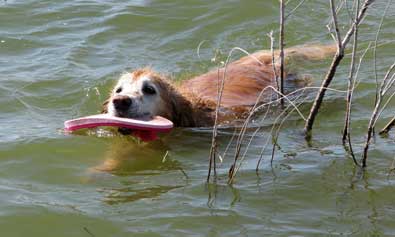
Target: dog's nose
(121, 102)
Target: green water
(58, 60)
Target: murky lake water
(59, 60)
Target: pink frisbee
(145, 129)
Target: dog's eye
(149, 90)
(119, 89)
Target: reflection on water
(131, 194)
(127, 157)
(217, 192)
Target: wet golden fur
(192, 103)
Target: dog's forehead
(129, 78)
(142, 78)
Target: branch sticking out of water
(386, 84)
(388, 127)
(335, 63)
(381, 91)
(350, 90)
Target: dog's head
(142, 94)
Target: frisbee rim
(99, 120)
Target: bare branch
(334, 18)
(332, 70)
(387, 83)
(357, 21)
(388, 126)
(373, 119)
(380, 93)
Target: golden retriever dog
(192, 103)
(144, 93)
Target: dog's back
(243, 83)
(247, 77)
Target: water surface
(58, 61)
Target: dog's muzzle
(121, 103)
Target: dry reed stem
(285, 111)
(295, 107)
(213, 149)
(262, 150)
(229, 144)
(233, 169)
(241, 137)
(275, 138)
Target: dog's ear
(104, 109)
(174, 109)
(181, 111)
(178, 109)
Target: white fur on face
(144, 104)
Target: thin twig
(375, 49)
(388, 126)
(301, 90)
(213, 149)
(277, 133)
(334, 19)
(293, 10)
(229, 144)
(199, 46)
(347, 122)
(256, 131)
(292, 93)
(165, 157)
(87, 231)
(220, 88)
(282, 26)
(387, 82)
(373, 118)
(234, 168)
(383, 108)
(273, 59)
